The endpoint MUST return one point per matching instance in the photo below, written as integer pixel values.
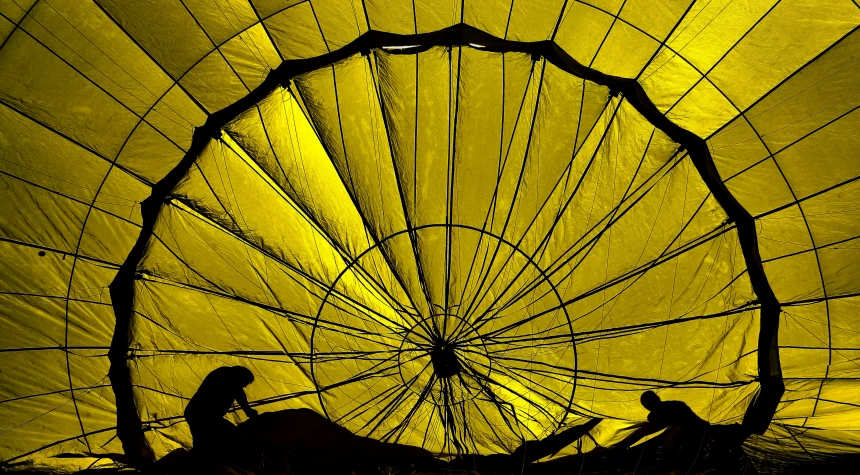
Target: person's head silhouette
(650, 400)
(242, 375)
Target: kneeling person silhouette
(210, 431)
(669, 413)
(662, 414)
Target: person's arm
(242, 399)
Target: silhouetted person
(662, 414)
(669, 413)
(205, 412)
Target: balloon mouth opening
(445, 361)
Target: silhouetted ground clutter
(302, 441)
(662, 455)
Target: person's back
(674, 413)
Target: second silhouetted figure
(662, 414)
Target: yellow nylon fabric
(99, 101)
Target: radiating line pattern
(100, 100)
(337, 246)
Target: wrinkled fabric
(349, 211)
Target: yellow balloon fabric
(574, 201)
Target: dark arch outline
(759, 413)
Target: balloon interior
(336, 246)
